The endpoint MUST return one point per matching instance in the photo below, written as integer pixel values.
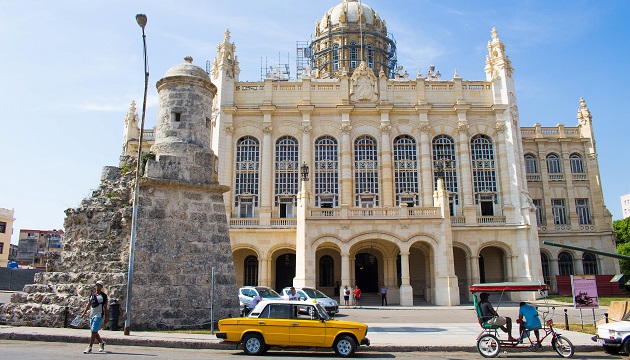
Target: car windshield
(314, 294)
(322, 313)
(268, 294)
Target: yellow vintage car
(285, 323)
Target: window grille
(589, 264)
(531, 164)
(406, 170)
(583, 211)
(444, 155)
(484, 174)
(565, 264)
(553, 164)
(577, 166)
(559, 211)
(335, 57)
(326, 172)
(366, 170)
(354, 55)
(287, 168)
(247, 168)
(370, 52)
(540, 215)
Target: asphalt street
(18, 350)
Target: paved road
(29, 350)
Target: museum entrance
(366, 272)
(285, 271)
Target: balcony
(580, 177)
(491, 220)
(556, 177)
(533, 177)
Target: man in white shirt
(293, 295)
(98, 309)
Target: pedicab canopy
(507, 286)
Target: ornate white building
(424, 185)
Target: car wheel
(625, 346)
(253, 344)
(345, 346)
(267, 347)
(613, 350)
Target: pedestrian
(293, 295)
(337, 285)
(357, 296)
(383, 295)
(346, 295)
(97, 304)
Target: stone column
(503, 174)
(263, 278)
(305, 148)
(553, 272)
(578, 268)
(345, 274)
(266, 165)
(463, 149)
(386, 158)
(406, 291)
(346, 157)
(304, 254)
(474, 270)
(226, 165)
(426, 165)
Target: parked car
(311, 295)
(279, 323)
(247, 293)
(614, 336)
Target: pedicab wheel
(488, 346)
(253, 344)
(563, 346)
(345, 346)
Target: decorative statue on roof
(363, 84)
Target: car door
(306, 329)
(275, 322)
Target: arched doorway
(366, 272)
(250, 271)
(492, 265)
(285, 271)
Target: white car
(247, 293)
(614, 336)
(313, 295)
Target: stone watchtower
(182, 227)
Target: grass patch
(603, 301)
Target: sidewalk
(385, 337)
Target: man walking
(383, 295)
(98, 309)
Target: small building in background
(6, 229)
(34, 246)
(625, 205)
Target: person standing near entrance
(346, 295)
(357, 296)
(383, 295)
(98, 309)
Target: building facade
(35, 245)
(6, 230)
(356, 173)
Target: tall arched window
(444, 156)
(246, 176)
(354, 55)
(544, 260)
(326, 271)
(326, 172)
(589, 264)
(286, 175)
(484, 174)
(366, 171)
(335, 57)
(370, 56)
(553, 164)
(565, 264)
(577, 166)
(406, 170)
(250, 271)
(531, 164)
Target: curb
(184, 344)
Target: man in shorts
(98, 309)
(532, 320)
(490, 316)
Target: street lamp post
(142, 21)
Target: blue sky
(70, 69)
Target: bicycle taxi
(489, 343)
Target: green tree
(622, 234)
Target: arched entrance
(366, 272)
(492, 265)
(285, 271)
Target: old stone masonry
(95, 248)
(182, 234)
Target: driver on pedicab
(490, 316)
(532, 320)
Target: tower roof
(187, 69)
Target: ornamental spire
(497, 61)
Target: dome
(187, 69)
(351, 10)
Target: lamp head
(141, 19)
(304, 171)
